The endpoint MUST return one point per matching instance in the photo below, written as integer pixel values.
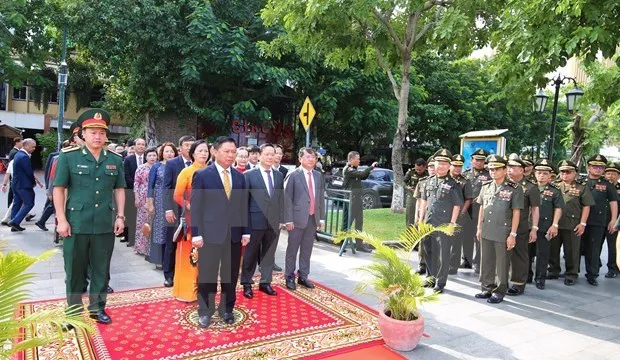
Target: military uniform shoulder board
(487, 182)
(580, 181)
(512, 183)
(115, 153)
(424, 178)
(70, 149)
(554, 185)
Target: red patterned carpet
(150, 324)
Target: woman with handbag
(140, 189)
(186, 272)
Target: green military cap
(479, 154)
(430, 160)
(515, 160)
(527, 160)
(75, 128)
(567, 165)
(598, 159)
(613, 166)
(495, 161)
(443, 155)
(94, 118)
(457, 160)
(543, 165)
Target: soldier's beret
(94, 118)
(567, 165)
(527, 160)
(543, 165)
(443, 155)
(457, 160)
(495, 161)
(613, 166)
(515, 160)
(479, 154)
(598, 159)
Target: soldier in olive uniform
(412, 177)
(417, 194)
(611, 174)
(526, 232)
(551, 205)
(87, 215)
(353, 182)
(528, 171)
(456, 168)
(605, 200)
(501, 201)
(442, 198)
(477, 175)
(577, 202)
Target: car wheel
(370, 201)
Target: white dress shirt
(263, 172)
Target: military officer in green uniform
(90, 212)
(477, 175)
(442, 202)
(456, 169)
(353, 182)
(551, 205)
(528, 226)
(611, 174)
(577, 201)
(417, 194)
(605, 201)
(412, 177)
(501, 201)
(528, 171)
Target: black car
(378, 187)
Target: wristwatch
(583, 224)
(555, 226)
(513, 234)
(120, 217)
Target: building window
(20, 93)
(54, 97)
(3, 89)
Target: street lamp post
(539, 102)
(62, 83)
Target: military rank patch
(505, 194)
(110, 167)
(600, 187)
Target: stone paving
(581, 322)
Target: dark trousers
(23, 202)
(457, 242)
(611, 252)
(437, 250)
(542, 255)
(571, 243)
(469, 241)
(300, 241)
(495, 260)
(81, 252)
(520, 260)
(592, 241)
(354, 211)
(10, 196)
(410, 210)
(263, 244)
(131, 214)
(48, 210)
(170, 249)
(223, 260)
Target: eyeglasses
(597, 167)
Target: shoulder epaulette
(423, 178)
(70, 149)
(512, 183)
(487, 182)
(580, 181)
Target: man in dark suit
(303, 214)
(173, 211)
(253, 154)
(17, 145)
(219, 205)
(131, 164)
(278, 159)
(266, 206)
(22, 184)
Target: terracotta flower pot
(401, 335)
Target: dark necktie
(270, 182)
(188, 163)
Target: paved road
(581, 322)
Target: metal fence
(336, 207)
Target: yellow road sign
(306, 114)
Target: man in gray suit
(303, 214)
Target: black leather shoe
(109, 290)
(569, 282)
(123, 239)
(483, 295)
(229, 318)
(305, 283)
(495, 298)
(514, 291)
(611, 275)
(290, 284)
(438, 289)
(540, 284)
(5, 223)
(267, 289)
(465, 265)
(429, 284)
(16, 227)
(30, 217)
(204, 321)
(363, 249)
(247, 291)
(101, 317)
(276, 267)
(592, 282)
(168, 283)
(421, 270)
(552, 276)
(41, 226)
(453, 271)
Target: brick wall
(169, 127)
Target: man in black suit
(173, 211)
(17, 145)
(253, 154)
(278, 159)
(266, 206)
(219, 226)
(22, 184)
(131, 164)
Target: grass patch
(383, 223)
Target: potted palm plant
(397, 286)
(13, 279)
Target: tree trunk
(578, 140)
(399, 137)
(150, 134)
